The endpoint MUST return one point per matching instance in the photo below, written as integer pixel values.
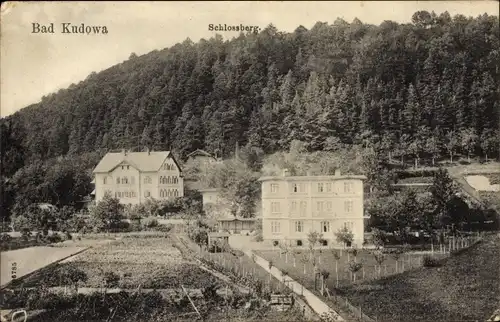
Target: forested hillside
(427, 88)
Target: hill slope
(466, 287)
(410, 84)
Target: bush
(415, 174)
(54, 238)
(151, 223)
(431, 261)
(164, 228)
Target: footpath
(312, 300)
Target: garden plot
(148, 263)
(300, 265)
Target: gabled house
(133, 177)
(202, 156)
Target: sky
(34, 64)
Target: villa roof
(313, 178)
(143, 161)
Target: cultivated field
(148, 262)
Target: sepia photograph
(249, 161)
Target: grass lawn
(464, 288)
(149, 262)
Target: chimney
(285, 172)
(337, 172)
(124, 152)
(147, 150)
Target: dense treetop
(429, 87)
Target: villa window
(275, 207)
(147, 194)
(147, 180)
(275, 227)
(104, 180)
(299, 242)
(348, 205)
(295, 187)
(348, 225)
(325, 226)
(324, 242)
(299, 226)
(128, 167)
(329, 187)
(321, 187)
(329, 206)
(118, 180)
(274, 188)
(293, 206)
(347, 187)
(319, 206)
(124, 180)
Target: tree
(324, 276)
(313, 238)
(468, 141)
(336, 256)
(304, 260)
(108, 213)
(354, 267)
(451, 143)
(442, 191)
(397, 255)
(432, 146)
(379, 258)
(489, 142)
(344, 236)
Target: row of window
(168, 167)
(298, 242)
(321, 187)
(132, 194)
(299, 226)
(125, 194)
(123, 180)
(169, 193)
(169, 180)
(321, 206)
(147, 180)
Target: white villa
(293, 206)
(133, 177)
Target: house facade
(236, 225)
(293, 206)
(134, 177)
(214, 205)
